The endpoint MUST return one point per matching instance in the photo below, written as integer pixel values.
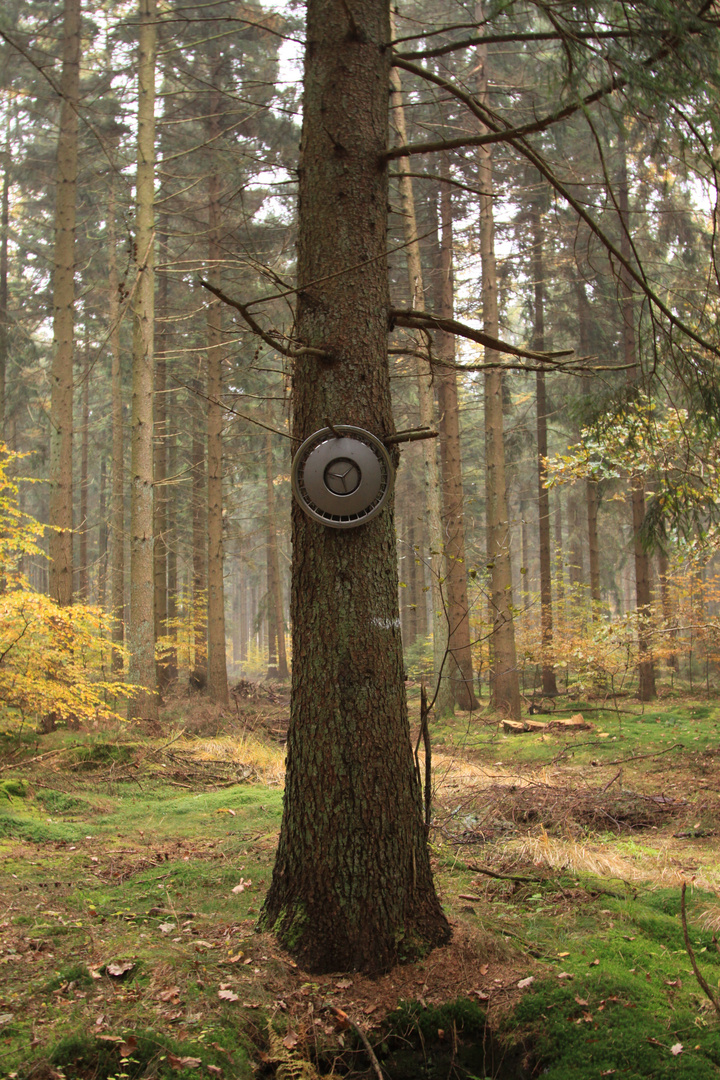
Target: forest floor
(135, 864)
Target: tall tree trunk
(171, 659)
(458, 608)
(141, 631)
(102, 536)
(198, 675)
(276, 616)
(61, 377)
(83, 569)
(444, 694)
(4, 314)
(217, 662)
(643, 585)
(117, 494)
(549, 683)
(160, 470)
(592, 495)
(352, 885)
(667, 607)
(505, 687)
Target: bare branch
(269, 339)
(425, 320)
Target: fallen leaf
(593, 963)
(234, 959)
(563, 954)
(480, 995)
(242, 885)
(227, 995)
(580, 1001)
(369, 1009)
(183, 1062)
(483, 969)
(676, 1049)
(126, 1048)
(608, 1072)
(526, 982)
(167, 927)
(119, 968)
(214, 1069)
(343, 984)
(291, 1040)
(225, 810)
(6, 1018)
(565, 975)
(674, 982)
(168, 995)
(109, 1038)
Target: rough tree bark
(352, 886)
(141, 629)
(458, 608)
(4, 318)
(592, 495)
(549, 682)
(444, 696)
(217, 682)
(643, 580)
(160, 470)
(505, 686)
(276, 615)
(117, 494)
(61, 376)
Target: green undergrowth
(622, 999)
(144, 1054)
(675, 728)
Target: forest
(359, 539)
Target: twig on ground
(29, 761)
(369, 1050)
(643, 757)
(499, 877)
(698, 974)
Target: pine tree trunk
(160, 471)
(4, 318)
(505, 687)
(117, 494)
(198, 677)
(141, 631)
(102, 572)
(83, 569)
(217, 682)
(61, 377)
(276, 616)
(352, 886)
(592, 497)
(458, 608)
(667, 607)
(643, 584)
(549, 682)
(444, 695)
(171, 659)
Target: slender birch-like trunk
(61, 376)
(549, 682)
(505, 687)
(643, 583)
(458, 608)
(141, 631)
(592, 498)
(83, 569)
(276, 615)
(117, 493)
(444, 699)
(4, 318)
(160, 500)
(217, 682)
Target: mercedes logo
(342, 476)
